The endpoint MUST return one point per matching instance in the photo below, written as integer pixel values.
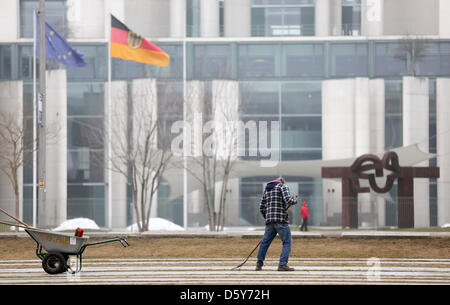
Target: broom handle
(13, 224)
(18, 220)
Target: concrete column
(118, 183)
(322, 18)
(177, 18)
(56, 152)
(443, 149)
(194, 117)
(377, 141)
(114, 7)
(372, 17)
(415, 130)
(209, 18)
(11, 110)
(144, 115)
(225, 103)
(338, 123)
(237, 18)
(85, 19)
(336, 17)
(444, 21)
(9, 19)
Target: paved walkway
(317, 271)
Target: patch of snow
(72, 224)
(157, 224)
(447, 225)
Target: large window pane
(428, 62)
(55, 15)
(351, 17)
(389, 60)
(96, 58)
(85, 165)
(5, 62)
(85, 132)
(301, 132)
(86, 201)
(259, 98)
(212, 61)
(257, 61)
(349, 59)
(305, 60)
(301, 98)
(85, 99)
(393, 119)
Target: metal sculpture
(358, 170)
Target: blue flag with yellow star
(58, 48)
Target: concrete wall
(10, 109)
(237, 18)
(415, 130)
(119, 109)
(443, 149)
(414, 17)
(9, 19)
(56, 151)
(352, 119)
(149, 19)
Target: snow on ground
(72, 224)
(158, 224)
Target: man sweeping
(274, 207)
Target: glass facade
(278, 81)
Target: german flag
(128, 45)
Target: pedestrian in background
(304, 213)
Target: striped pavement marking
(318, 271)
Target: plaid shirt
(275, 203)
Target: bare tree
(414, 48)
(141, 142)
(15, 151)
(212, 163)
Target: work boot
(258, 267)
(285, 268)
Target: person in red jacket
(304, 213)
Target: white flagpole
(109, 103)
(185, 145)
(34, 124)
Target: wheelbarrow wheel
(54, 263)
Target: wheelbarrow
(59, 246)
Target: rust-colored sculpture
(351, 187)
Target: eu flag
(58, 48)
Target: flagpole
(185, 145)
(43, 218)
(34, 123)
(109, 103)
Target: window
(389, 59)
(301, 98)
(5, 62)
(351, 17)
(259, 98)
(283, 18)
(257, 61)
(349, 59)
(212, 61)
(393, 110)
(305, 60)
(55, 15)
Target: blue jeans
(271, 231)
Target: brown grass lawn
(233, 247)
